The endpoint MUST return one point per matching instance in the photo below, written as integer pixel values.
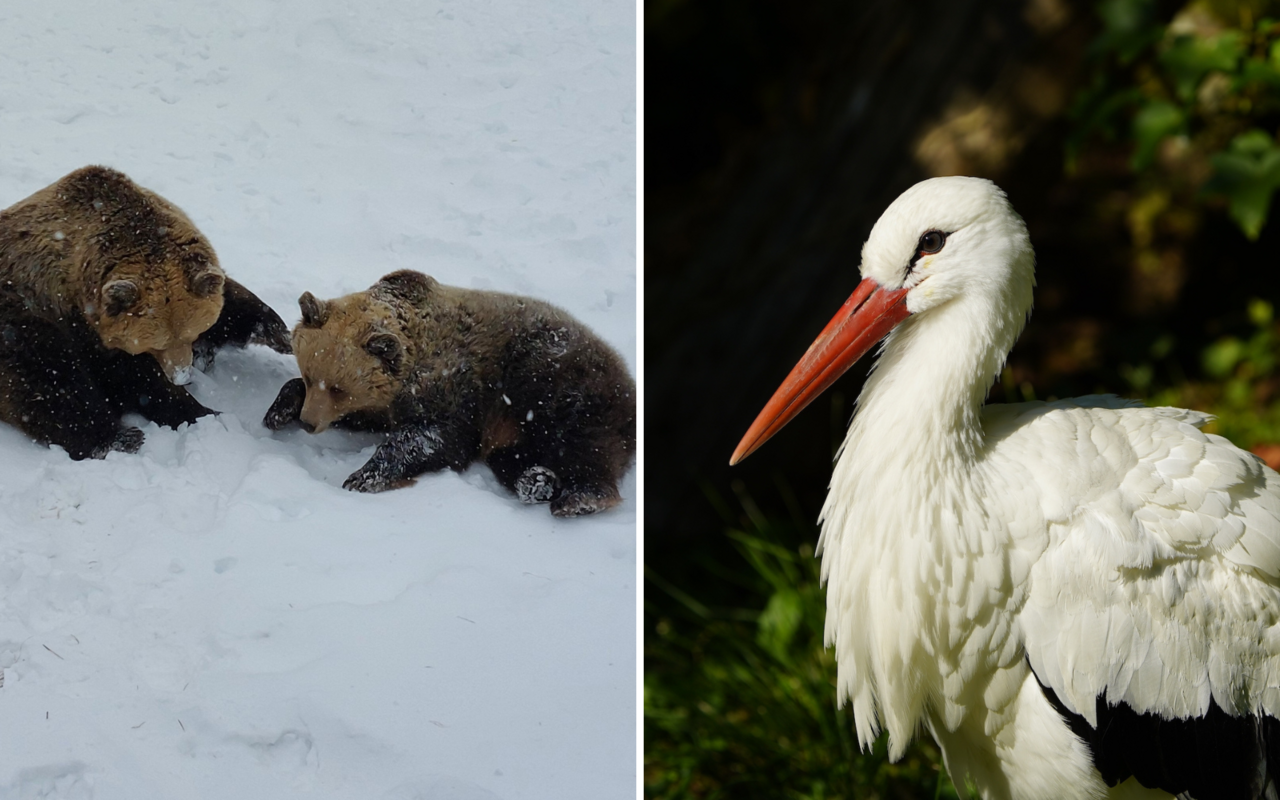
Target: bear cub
(108, 294)
(461, 375)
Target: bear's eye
(336, 393)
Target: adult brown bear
(108, 292)
(460, 375)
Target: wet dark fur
(244, 320)
(59, 384)
(472, 367)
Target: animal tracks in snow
(66, 781)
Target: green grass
(740, 700)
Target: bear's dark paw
(537, 485)
(272, 332)
(128, 440)
(361, 481)
(202, 355)
(372, 480)
(287, 406)
(580, 502)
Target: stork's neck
(924, 399)
(907, 477)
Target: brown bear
(108, 292)
(461, 375)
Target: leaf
(779, 622)
(1261, 312)
(1257, 71)
(1248, 173)
(1222, 356)
(1153, 122)
(1129, 27)
(1189, 58)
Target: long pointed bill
(864, 319)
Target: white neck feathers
(893, 524)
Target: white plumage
(983, 563)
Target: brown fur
(510, 380)
(341, 376)
(94, 240)
(107, 291)
(498, 432)
(449, 338)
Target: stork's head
(950, 237)
(943, 241)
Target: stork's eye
(931, 243)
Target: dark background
(775, 134)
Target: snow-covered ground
(215, 617)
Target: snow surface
(215, 617)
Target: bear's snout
(312, 425)
(314, 420)
(319, 410)
(176, 362)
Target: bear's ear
(207, 284)
(314, 312)
(119, 297)
(387, 348)
(409, 285)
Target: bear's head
(150, 280)
(158, 310)
(354, 352)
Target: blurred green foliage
(1240, 384)
(740, 702)
(1193, 91)
(1248, 173)
(1196, 97)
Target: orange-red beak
(864, 319)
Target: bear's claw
(128, 440)
(368, 480)
(584, 501)
(272, 332)
(536, 485)
(202, 355)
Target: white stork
(1077, 599)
